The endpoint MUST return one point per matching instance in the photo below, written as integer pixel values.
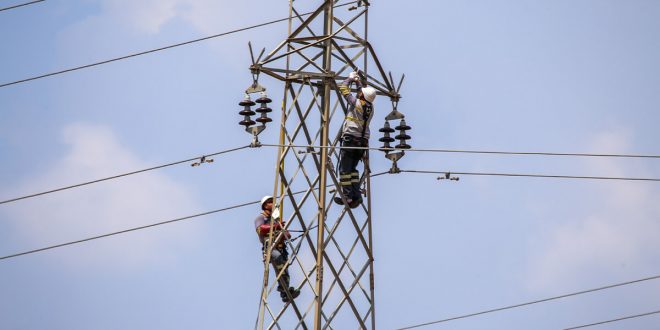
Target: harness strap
(366, 113)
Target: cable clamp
(448, 176)
(202, 161)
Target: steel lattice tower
(332, 261)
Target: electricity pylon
(331, 261)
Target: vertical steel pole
(325, 125)
(367, 172)
(372, 287)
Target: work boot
(353, 203)
(339, 201)
(355, 189)
(348, 192)
(293, 292)
(355, 198)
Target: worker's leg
(355, 174)
(278, 259)
(347, 165)
(356, 194)
(280, 264)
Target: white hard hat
(369, 93)
(264, 200)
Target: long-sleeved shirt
(262, 220)
(355, 123)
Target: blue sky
(562, 76)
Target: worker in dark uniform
(355, 133)
(279, 255)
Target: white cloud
(208, 16)
(122, 26)
(620, 235)
(147, 16)
(103, 207)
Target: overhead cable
(21, 5)
(535, 175)
(409, 171)
(533, 302)
(125, 231)
(146, 226)
(614, 320)
(525, 153)
(158, 49)
(119, 175)
(459, 151)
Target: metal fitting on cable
(448, 176)
(394, 157)
(202, 161)
(308, 150)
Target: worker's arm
(265, 228)
(346, 91)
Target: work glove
(354, 76)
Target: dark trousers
(349, 177)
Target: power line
(534, 153)
(21, 5)
(119, 176)
(533, 302)
(407, 171)
(125, 231)
(146, 226)
(614, 320)
(488, 152)
(499, 153)
(535, 175)
(158, 49)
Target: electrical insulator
(386, 139)
(246, 112)
(264, 109)
(402, 136)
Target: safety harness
(366, 113)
